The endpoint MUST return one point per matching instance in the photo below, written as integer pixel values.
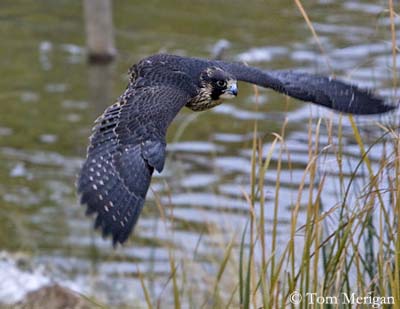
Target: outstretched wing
(127, 144)
(320, 90)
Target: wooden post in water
(99, 30)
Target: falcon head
(218, 83)
(215, 84)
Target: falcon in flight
(128, 141)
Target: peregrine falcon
(128, 140)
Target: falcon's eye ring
(221, 83)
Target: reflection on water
(50, 97)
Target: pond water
(50, 96)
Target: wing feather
(321, 90)
(127, 143)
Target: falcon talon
(128, 140)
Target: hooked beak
(231, 91)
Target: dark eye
(221, 83)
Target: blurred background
(50, 95)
